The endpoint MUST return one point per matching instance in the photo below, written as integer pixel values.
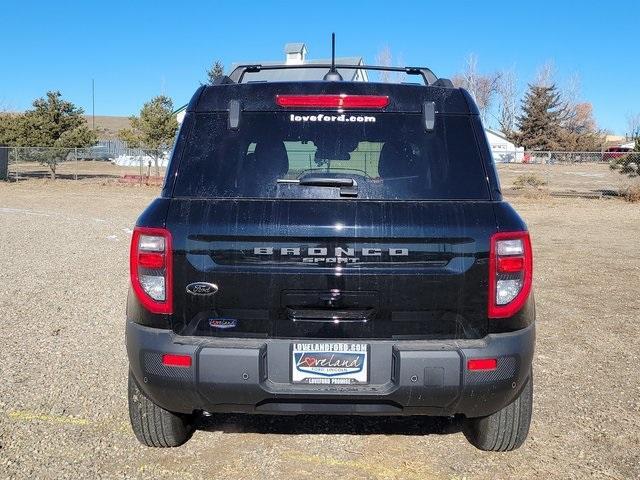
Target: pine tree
(56, 123)
(628, 164)
(540, 125)
(216, 71)
(10, 128)
(154, 130)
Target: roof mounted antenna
(333, 75)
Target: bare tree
(486, 91)
(508, 102)
(633, 125)
(384, 58)
(483, 88)
(573, 89)
(545, 74)
(468, 78)
(580, 131)
(400, 76)
(575, 114)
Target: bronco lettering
(323, 251)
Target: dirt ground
(63, 409)
(566, 177)
(82, 170)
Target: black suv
(331, 247)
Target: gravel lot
(566, 177)
(63, 414)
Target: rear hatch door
(331, 223)
(331, 270)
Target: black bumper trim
(406, 377)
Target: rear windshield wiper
(348, 186)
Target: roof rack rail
(427, 75)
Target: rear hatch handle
(324, 315)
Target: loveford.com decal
(332, 118)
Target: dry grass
(81, 169)
(579, 178)
(632, 193)
(528, 180)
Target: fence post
(548, 177)
(75, 154)
(4, 162)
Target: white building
(296, 54)
(503, 150)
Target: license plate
(330, 363)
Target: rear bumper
(406, 377)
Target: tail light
(151, 268)
(476, 364)
(510, 273)
(333, 101)
(176, 360)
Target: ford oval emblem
(202, 288)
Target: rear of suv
(331, 247)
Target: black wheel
(154, 426)
(506, 429)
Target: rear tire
(154, 426)
(506, 429)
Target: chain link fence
(551, 158)
(125, 164)
(579, 173)
(585, 174)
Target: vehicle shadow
(329, 424)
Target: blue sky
(137, 49)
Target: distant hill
(107, 127)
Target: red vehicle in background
(615, 152)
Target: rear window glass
(387, 156)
